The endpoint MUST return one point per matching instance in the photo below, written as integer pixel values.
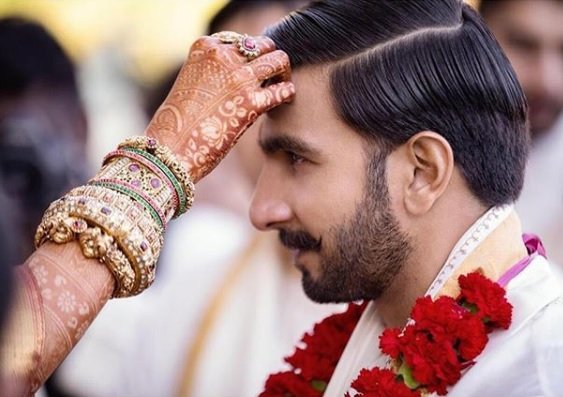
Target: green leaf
(471, 307)
(406, 372)
(319, 385)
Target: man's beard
(364, 255)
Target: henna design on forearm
(59, 293)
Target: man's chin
(320, 293)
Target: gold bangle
(120, 217)
(134, 230)
(59, 227)
(165, 155)
(137, 238)
(156, 180)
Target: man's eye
(295, 159)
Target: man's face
(531, 34)
(327, 197)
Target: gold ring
(248, 47)
(228, 37)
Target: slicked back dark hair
(399, 67)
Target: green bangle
(135, 196)
(156, 161)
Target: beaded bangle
(137, 237)
(165, 155)
(157, 167)
(134, 212)
(136, 194)
(141, 179)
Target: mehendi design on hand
(217, 95)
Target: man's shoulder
(524, 360)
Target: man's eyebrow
(286, 143)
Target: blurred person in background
(7, 257)
(7, 261)
(43, 128)
(244, 306)
(531, 34)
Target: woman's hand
(217, 95)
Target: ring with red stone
(248, 47)
(227, 36)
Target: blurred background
(121, 49)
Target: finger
(265, 44)
(227, 36)
(274, 64)
(274, 95)
(251, 47)
(205, 42)
(220, 45)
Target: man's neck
(430, 252)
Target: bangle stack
(120, 216)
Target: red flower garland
(443, 338)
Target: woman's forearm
(120, 216)
(59, 293)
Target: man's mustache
(300, 240)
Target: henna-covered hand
(217, 95)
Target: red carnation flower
(288, 384)
(315, 362)
(325, 344)
(390, 343)
(446, 321)
(472, 338)
(489, 299)
(434, 363)
(378, 382)
(312, 366)
(444, 338)
(441, 318)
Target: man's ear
(431, 161)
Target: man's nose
(269, 210)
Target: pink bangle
(107, 182)
(151, 166)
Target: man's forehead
(312, 102)
(309, 121)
